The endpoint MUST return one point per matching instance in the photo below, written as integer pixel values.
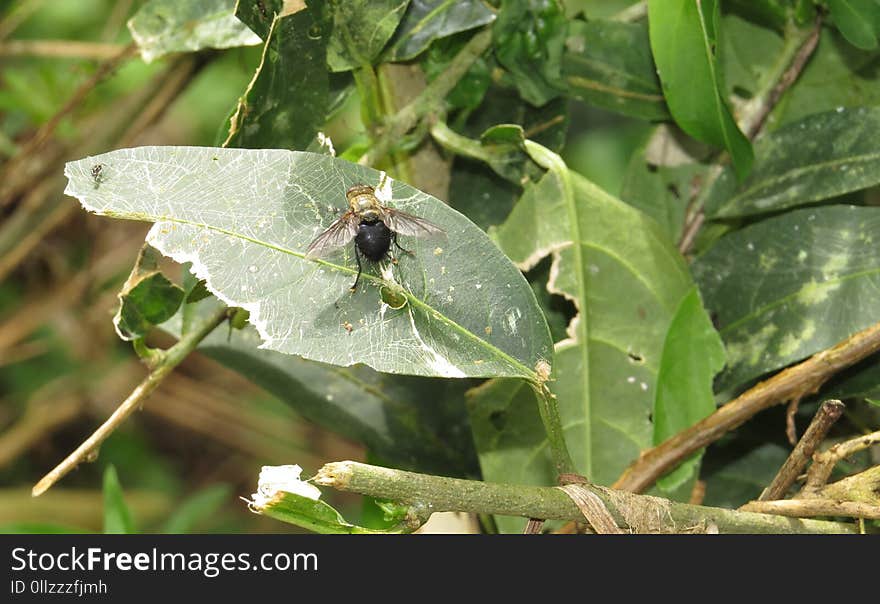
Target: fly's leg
(357, 256)
(397, 245)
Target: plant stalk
(633, 513)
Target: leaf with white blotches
(819, 157)
(787, 287)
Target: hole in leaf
(557, 309)
(392, 298)
(498, 419)
(742, 92)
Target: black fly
(373, 227)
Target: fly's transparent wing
(407, 224)
(337, 234)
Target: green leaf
(684, 37)
(820, 157)
(287, 100)
(316, 515)
(857, 20)
(787, 287)
(429, 20)
(361, 29)
(480, 194)
(732, 482)
(692, 354)
(529, 39)
(750, 54)
(861, 381)
(163, 27)
(258, 15)
(196, 509)
(608, 64)
(117, 518)
(627, 281)
(386, 413)
(547, 125)
(838, 75)
(147, 298)
(663, 185)
(39, 528)
(245, 218)
(773, 13)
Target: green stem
(635, 513)
(431, 100)
(458, 144)
(163, 367)
(549, 410)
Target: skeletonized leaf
(787, 287)
(244, 218)
(162, 27)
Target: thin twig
(797, 381)
(825, 417)
(631, 512)
(169, 360)
(757, 118)
(63, 49)
(864, 487)
(810, 508)
(823, 463)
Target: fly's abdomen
(373, 239)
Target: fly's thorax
(362, 201)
